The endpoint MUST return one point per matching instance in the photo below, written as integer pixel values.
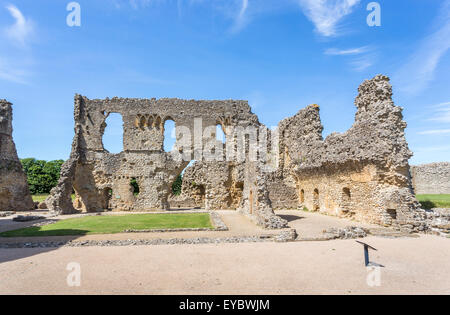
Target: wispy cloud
(240, 21)
(143, 3)
(364, 62)
(435, 132)
(12, 72)
(326, 15)
(362, 58)
(442, 113)
(16, 60)
(419, 71)
(344, 52)
(21, 30)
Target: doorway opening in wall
(236, 193)
(113, 134)
(76, 200)
(169, 135)
(392, 213)
(302, 197)
(134, 186)
(316, 204)
(107, 196)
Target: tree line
(43, 175)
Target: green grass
(42, 197)
(39, 197)
(110, 224)
(434, 201)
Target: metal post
(366, 252)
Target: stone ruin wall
(431, 178)
(101, 180)
(362, 174)
(214, 185)
(14, 191)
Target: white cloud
(362, 63)
(343, 52)
(142, 3)
(418, 72)
(13, 72)
(435, 132)
(16, 59)
(21, 30)
(442, 105)
(442, 113)
(363, 57)
(240, 20)
(326, 14)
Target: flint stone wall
(101, 180)
(363, 173)
(14, 191)
(431, 178)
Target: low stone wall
(431, 178)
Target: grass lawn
(110, 224)
(39, 197)
(42, 197)
(434, 201)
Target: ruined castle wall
(362, 173)
(214, 185)
(101, 180)
(282, 195)
(431, 178)
(14, 191)
(256, 202)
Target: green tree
(176, 186)
(42, 175)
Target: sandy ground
(312, 224)
(411, 266)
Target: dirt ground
(411, 266)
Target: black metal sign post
(366, 252)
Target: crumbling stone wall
(362, 174)
(431, 178)
(14, 191)
(256, 201)
(101, 180)
(214, 185)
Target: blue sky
(281, 55)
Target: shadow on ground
(7, 225)
(290, 218)
(11, 254)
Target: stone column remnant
(14, 191)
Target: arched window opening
(169, 135)
(346, 194)
(113, 135)
(316, 200)
(220, 134)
